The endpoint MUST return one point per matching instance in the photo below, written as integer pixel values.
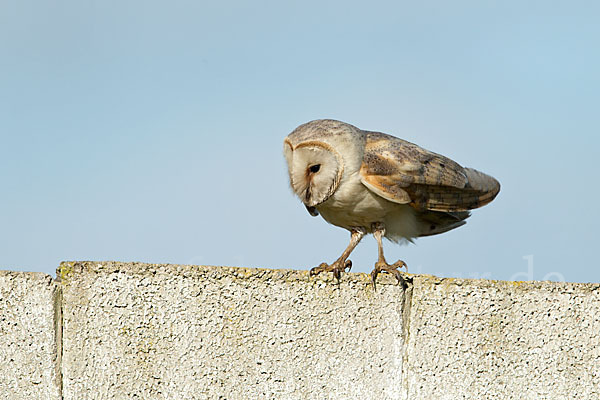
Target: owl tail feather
(436, 222)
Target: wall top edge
(69, 270)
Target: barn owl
(371, 182)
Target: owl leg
(342, 263)
(381, 264)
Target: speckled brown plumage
(405, 173)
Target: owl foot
(337, 267)
(382, 266)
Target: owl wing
(405, 173)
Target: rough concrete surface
(476, 339)
(149, 331)
(29, 338)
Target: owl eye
(314, 168)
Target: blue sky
(152, 131)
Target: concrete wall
(29, 336)
(147, 331)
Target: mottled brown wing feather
(386, 187)
(405, 173)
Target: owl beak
(312, 211)
(309, 201)
(307, 196)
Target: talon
(342, 263)
(374, 274)
(399, 277)
(348, 265)
(317, 270)
(382, 266)
(337, 268)
(399, 264)
(336, 274)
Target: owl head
(319, 155)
